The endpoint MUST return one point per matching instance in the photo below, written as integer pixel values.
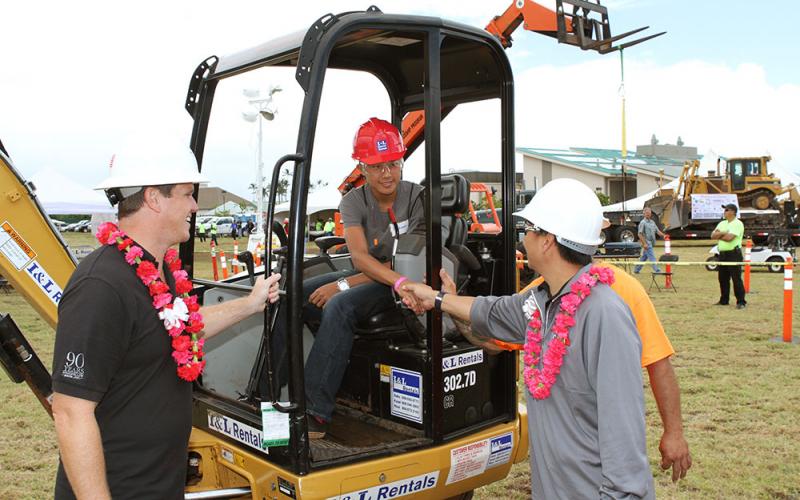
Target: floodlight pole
(260, 179)
(624, 142)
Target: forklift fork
(590, 27)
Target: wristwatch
(343, 284)
(437, 303)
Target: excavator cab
(420, 409)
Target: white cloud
(728, 110)
(76, 81)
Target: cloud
(76, 81)
(732, 111)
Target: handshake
(420, 297)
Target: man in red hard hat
(372, 215)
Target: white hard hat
(130, 171)
(571, 211)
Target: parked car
(80, 226)
(205, 219)
(777, 257)
(224, 226)
(60, 225)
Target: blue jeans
(648, 255)
(330, 353)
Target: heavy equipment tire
(778, 267)
(625, 234)
(763, 200)
(604, 236)
(712, 266)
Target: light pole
(263, 107)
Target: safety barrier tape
(676, 263)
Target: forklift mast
(587, 27)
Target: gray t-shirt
(360, 208)
(649, 229)
(587, 439)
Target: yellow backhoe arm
(33, 257)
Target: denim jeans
(648, 255)
(330, 353)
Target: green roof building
(602, 170)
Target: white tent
(318, 201)
(60, 195)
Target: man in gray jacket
(586, 416)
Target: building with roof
(211, 200)
(648, 169)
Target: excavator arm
(37, 263)
(586, 26)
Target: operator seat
(411, 256)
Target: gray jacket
(587, 439)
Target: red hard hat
(378, 141)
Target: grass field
(740, 391)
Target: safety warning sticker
(473, 459)
(14, 247)
(406, 394)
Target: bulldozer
(748, 178)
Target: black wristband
(438, 300)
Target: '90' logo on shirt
(73, 368)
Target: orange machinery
(586, 27)
(488, 227)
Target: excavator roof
(389, 46)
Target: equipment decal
(237, 430)
(406, 395)
(45, 282)
(460, 381)
(462, 360)
(396, 489)
(474, 458)
(16, 250)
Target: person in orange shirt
(656, 351)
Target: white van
(224, 226)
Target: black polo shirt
(111, 348)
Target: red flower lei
(181, 317)
(539, 381)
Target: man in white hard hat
(130, 337)
(582, 353)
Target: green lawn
(741, 403)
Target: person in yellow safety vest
(213, 232)
(201, 231)
(329, 227)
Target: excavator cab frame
(426, 65)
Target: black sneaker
(316, 427)
(720, 303)
(740, 306)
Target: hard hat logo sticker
(381, 145)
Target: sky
(81, 81)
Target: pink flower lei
(539, 381)
(180, 315)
